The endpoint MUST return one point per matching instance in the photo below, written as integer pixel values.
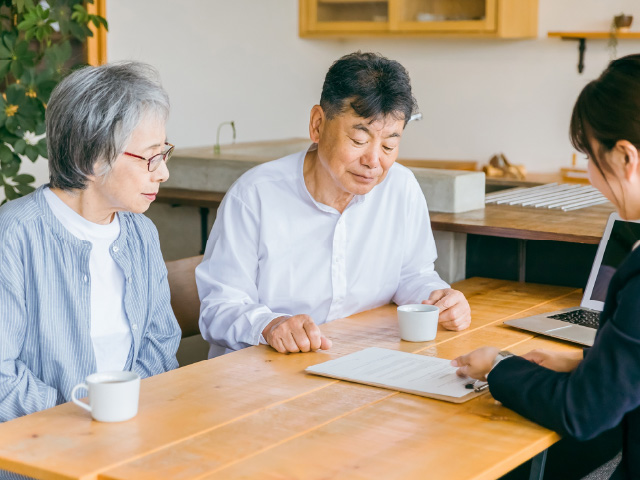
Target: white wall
(242, 60)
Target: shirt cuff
(261, 324)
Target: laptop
(579, 324)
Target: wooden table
(256, 414)
(523, 224)
(578, 226)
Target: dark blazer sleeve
(594, 397)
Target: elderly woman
(327, 232)
(83, 287)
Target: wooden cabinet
(461, 18)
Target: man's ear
(316, 123)
(629, 153)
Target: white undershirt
(110, 330)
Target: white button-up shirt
(275, 251)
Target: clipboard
(412, 373)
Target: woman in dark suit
(585, 394)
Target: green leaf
(28, 23)
(3, 115)
(5, 53)
(10, 169)
(80, 14)
(57, 55)
(25, 189)
(40, 128)
(11, 124)
(9, 39)
(4, 67)
(31, 152)
(6, 155)
(15, 94)
(44, 89)
(19, 146)
(17, 69)
(24, 54)
(22, 5)
(9, 192)
(28, 77)
(24, 179)
(78, 31)
(36, 23)
(1, 181)
(42, 148)
(7, 137)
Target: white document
(397, 370)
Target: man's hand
(556, 361)
(476, 364)
(295, 334)
(455, 313)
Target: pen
(477, 388)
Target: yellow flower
(10, 110)
(30, 93)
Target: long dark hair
(608, 110)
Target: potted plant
(620, 23)
(35, 54)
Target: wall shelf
(582, 37)
(418, 18)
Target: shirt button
(129, 279)
(85, 279)
(134, 327)
(115, 249)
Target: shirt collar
(59, 229)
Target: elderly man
(328, 232)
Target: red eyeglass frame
(165, 156)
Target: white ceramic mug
(418, 323)
(113, 396)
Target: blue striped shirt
(45, 308)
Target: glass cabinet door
(444, 15)
(348, 15)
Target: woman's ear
(629, 154)
(316, 121)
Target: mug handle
(75, 400)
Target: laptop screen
(623, 237)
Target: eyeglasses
(154, 162)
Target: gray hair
(92, 114)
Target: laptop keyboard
(580, 317)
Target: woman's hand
(556, 361)
(476, 364)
